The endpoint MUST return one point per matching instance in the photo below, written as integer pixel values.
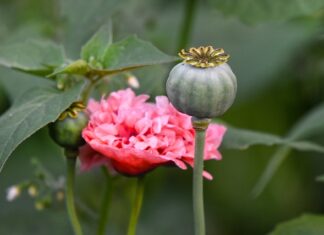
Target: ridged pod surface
(201, 92)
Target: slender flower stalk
(70, 204)
(87, 90)
(137, 205)
(200, 126)
(106, 202)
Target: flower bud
(67, 132)
(133, 81)
(13, 192)
(32, 191)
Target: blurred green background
(277, 54)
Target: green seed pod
(203, 85)
(67, 132)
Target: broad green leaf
(133, 52)
(32, 56)
(304, 225)
(96, 47)
(264, 10)
(17, 83)
(32, 111)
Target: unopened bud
(32, 191)
(133, 82)
(13, 192)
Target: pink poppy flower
(133, 136)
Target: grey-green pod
(201, 92)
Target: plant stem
(137, 204)
(187, 22)
(106, 202)
(200, 126)
(71, 161)
(87, 91)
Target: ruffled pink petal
(137, 136)
(90, 158)
(130, 161)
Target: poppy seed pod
(203, 85)
(66, 131)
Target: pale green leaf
(264, 10)
(275, 161)
(133, 52)
(242, 139)
(310, 125)
(304, 225)
(96, 47)
(278, 157)
(32, 56)
(32, 111)
(306, 146)
(320, 178)
(236, 138)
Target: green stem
(87, 91)
(200, 126)
(137, 204)
(187, 22)
(71, 161)
(106, 202)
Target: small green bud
(67, 132)
(32, 190)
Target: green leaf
(236, 138)
(306, 146)
(31, 56)
(320, 178)
(32, 111)
(278, 157)
(17, 83)
(304, 225)
(131, 53)
(82, 18)
(97, 46)
(264, 10)
(310, 125)
(242, 139)
(275, 161)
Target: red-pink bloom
(135, 136)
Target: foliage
(277, 54)
(29, 113)
(36, 57)
(304, 225)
